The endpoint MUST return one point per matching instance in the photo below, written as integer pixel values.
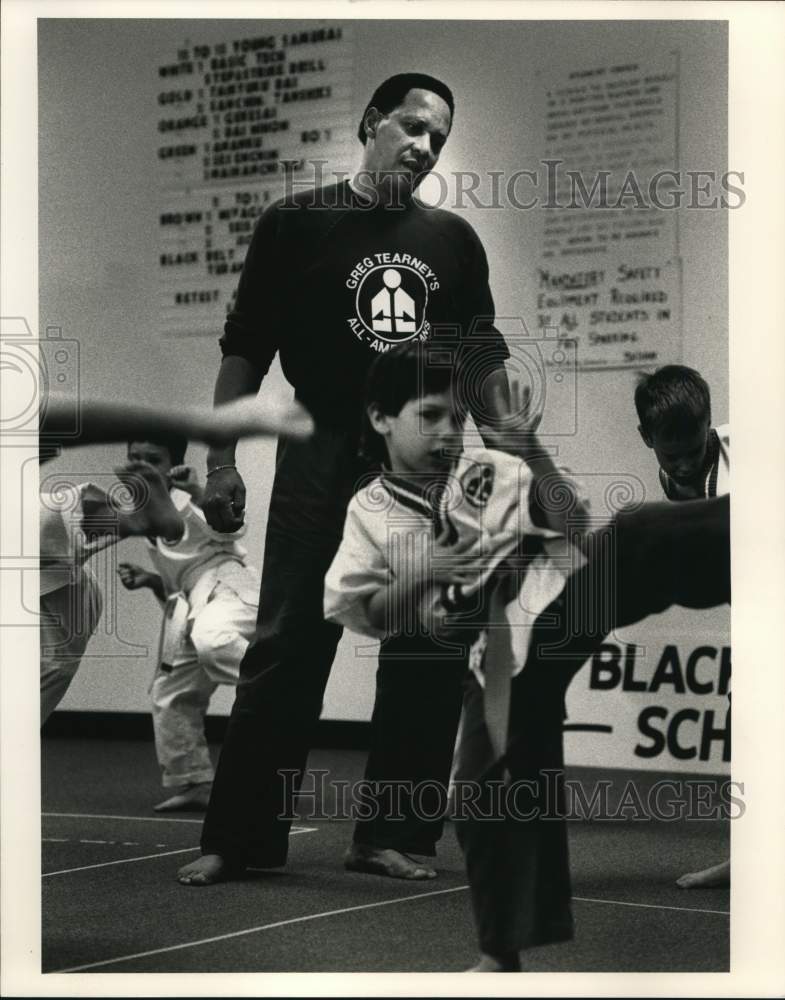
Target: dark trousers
(285, 670)
(419, 691)
(640, 564)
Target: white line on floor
(650, 906)
(120, 861)
(154, 819)
(350, 909)
(145, 857)
(140, 819)
(262, 927)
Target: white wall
(98, 250)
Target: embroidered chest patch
(477, 484)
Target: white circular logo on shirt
(391, 299)
(391, 303)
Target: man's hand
(223, 500)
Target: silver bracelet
(218, 469)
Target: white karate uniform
(390, 527)
(209, 618)
(391, 524)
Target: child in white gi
(476, 539)
(77, 522)
(210, 596)
(674, 410)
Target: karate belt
(176, 611)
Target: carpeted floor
(111, 902)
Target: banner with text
(656, 697)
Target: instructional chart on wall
(608, 271)
(238, 120)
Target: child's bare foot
(497, 963)
(207, 870)
(385, 861)
(709, 878)
(195, 797)
(152, 513)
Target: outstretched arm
(104, 421)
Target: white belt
(176, 610)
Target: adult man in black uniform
(332, 277)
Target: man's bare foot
(497, 963)
(194, 797)
(385, 861)
(709, 878)
(150, 510)
(207, 870)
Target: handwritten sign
(623, 314)
(609, 274)
(233, 117)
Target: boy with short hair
(674, 413)
(461, 541)
(210, 598)
(674, 410)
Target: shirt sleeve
(253, 326)
(358, 571)
(483, 347)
